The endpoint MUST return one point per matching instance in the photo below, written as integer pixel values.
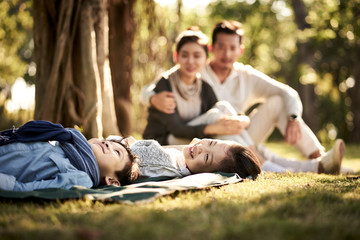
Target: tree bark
(305, 56)
(70, 55)
(121, 36)
(354, 94)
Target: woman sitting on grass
(193, 96)
(42, 154)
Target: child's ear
(175, 56)
(112, 181)
(242, 48)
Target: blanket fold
(141, 192)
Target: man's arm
(162, 100)
(146, 93)
(263, 87)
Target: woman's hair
(192, 35)
(241, 161)
(131, 171)
(228, 27)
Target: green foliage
(157, 29)
(337, 55)
(16, 47)
(272, 41)
(16, 55)
(152, 52)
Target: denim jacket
(38, 165)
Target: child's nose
(106, 144)
(201, 148)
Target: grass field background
(275, 206)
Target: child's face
(192, 59)
(206, 155)
(110, 156)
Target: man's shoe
(331, 160)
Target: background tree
(70, 56)
(311, 45)
(121, 37)
(16, 53)
(15, 40)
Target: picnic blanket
(146, 191)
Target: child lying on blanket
(206, 155)
(41, 154)
(329, 163)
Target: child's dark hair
(242, 161)
(192, 34)
(131, 172)
(228, 27)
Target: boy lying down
(42, 154)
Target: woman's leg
(221, 108)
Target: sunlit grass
(276, 206)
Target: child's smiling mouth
(102, 148)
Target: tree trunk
(305, 56)
(121, 36)
(354, 94)
(102, 38)
(70, 54)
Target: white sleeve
(264, 86)
(148, 90)
(146, 93)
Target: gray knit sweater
(156, 161)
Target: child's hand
(195, 140)
(130, 140)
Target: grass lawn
(276, 206)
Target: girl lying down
(206, 155)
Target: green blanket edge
(142, 191)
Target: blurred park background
(312, 45)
